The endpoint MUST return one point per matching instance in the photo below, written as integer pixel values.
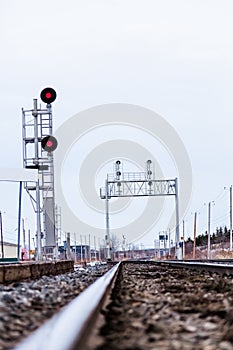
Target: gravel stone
(25, 305)
(159, 307)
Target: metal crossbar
(140, 188)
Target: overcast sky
(172, 56)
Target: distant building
(9, 249)
(81, 253)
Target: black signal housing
(49, 143)
(48, 95)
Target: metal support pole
(208, 246)
(89, 243)
(2, 243)
(107, 220)
(38, 224)
(100, 252)
(29, 244)
(178, 248)
(183, 241)
(194, 235)
(56, 233)
(95, 247)
(230, 218)
(24, 236)
(68, 246)
(85, 249)
(38, 230)
(81, 252)
(169, 242)
(75, 242)
(19, 219)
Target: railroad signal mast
(38, 147)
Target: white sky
(171, 56)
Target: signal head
(49, 143)
(48, 95)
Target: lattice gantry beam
(138, 184)
(139, 188)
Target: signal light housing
(49, 143)
(48, 95)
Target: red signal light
(48, 95)
(49, 143)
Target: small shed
(9, 249)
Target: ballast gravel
(25, 305)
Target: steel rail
(67, 330)
(214, 261)
(220, 268)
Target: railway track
(146, 305)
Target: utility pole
(209, 214)
(194, 235)
(68, 246)
(89, 243)
(208, 247)
(2, 244)
(95, 247)
(100, 252)
(85, 249)
(81, 255)
(24, 236)
(124, 246)
(231, 218)
(183, 242)
(169, 242)
(75, 251)
(177, 250)
(29, 244)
